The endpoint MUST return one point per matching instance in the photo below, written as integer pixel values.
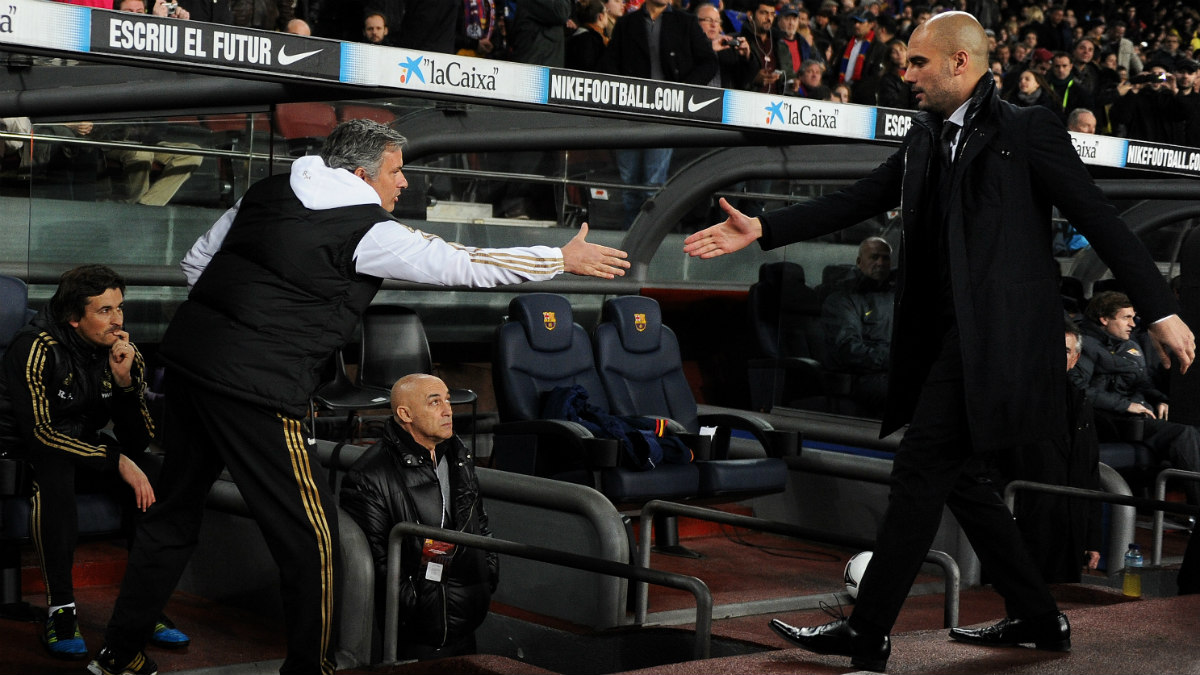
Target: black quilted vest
(275, 301)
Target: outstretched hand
(593, 260)
(1173, 337)
(732, 234)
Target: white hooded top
(390, 250)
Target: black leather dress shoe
(1051, 632)
(837, 637)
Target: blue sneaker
(167, 636)
(62, 637)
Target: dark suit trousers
(935, 466)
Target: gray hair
(360, 143)
(1073, 329)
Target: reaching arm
(206, 246)
(732, 234)
(390, 250)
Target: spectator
(804, 32)
(866, 88)
(1040, 60)
(811, 82)
(762, 71)
(66, 376)
(12, 146)
(1187, 78)
(158, 8)
(428, 25)
(1067, 91)
(262, 14)
(857, 317)
(792, 49)
(137, 164)
(538, 34)
(479, 32)
(1127, 56)
(852, 66)
(1055, 34)
(1114, 372)
(585, 48)
(71, 168)
(732, 52)
(1081, 120)
(1084, 70)
(656, 42)
(824, 25)
(277, 284)
(1147, 108)
(298, 27)
(420, 472)
(840, 93)
(1032, 89)
(615, 10)
(894, 92)
(1062, 534)
(375, 29)
(211, 11)
(1003, 54)
(1169, 49)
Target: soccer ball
(855, 567)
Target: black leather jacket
(57, 393)
(396, 481)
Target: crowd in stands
(1132, 63)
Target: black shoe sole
(1051, 646)
(874, 665)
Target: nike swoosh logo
(286, 59)
(693, 106)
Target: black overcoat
(1011, 167)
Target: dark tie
(949, 131)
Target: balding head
(947, 56)
(421, 406)
(875, 258)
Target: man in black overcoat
(976, 340)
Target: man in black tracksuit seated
(421, 472)
(67, 375)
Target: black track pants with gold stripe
(276, 471)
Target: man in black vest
(279, 283)
(976, 333)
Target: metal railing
(1098, 495)
(657, 506)
(697, 588)
(1160, 493)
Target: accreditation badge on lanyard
(435, 555)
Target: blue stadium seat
(538, 348)
(642, 371)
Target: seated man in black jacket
(858, 324)
(421, 472)
(1113, 371)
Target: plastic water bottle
(1132, 582)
